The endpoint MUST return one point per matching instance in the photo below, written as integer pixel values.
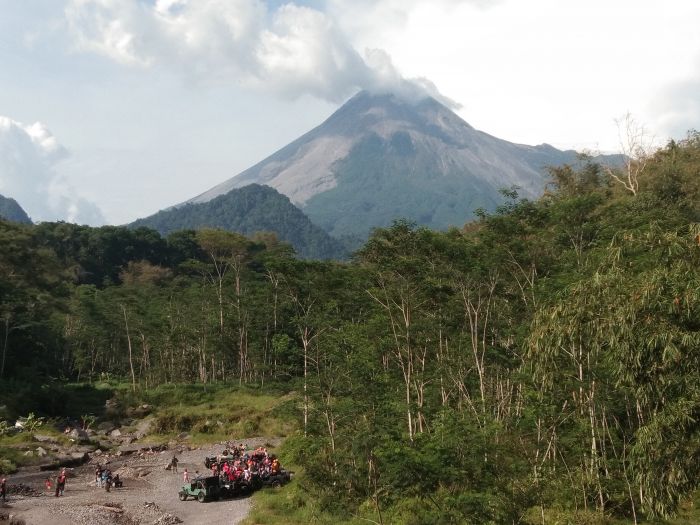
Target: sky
(111, 110)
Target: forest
(538, 365)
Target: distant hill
(247, 210)
(379, 158)
(10, 210)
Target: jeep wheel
(276, 484)
(182, 496)
(201, 497)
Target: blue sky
(154, 102)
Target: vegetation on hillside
(538, 365)
(253, 209)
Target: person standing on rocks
(173, 464)
(108, 479)
(185, 476)
(61, 483)
(3, 489)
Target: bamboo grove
(538, 364)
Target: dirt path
(149, 495)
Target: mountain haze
(10, 210)
(253, 208)
(379, 158)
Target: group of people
(236, 464)
(105, 479)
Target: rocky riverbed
(149, 495)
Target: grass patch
(211, 413)
(13, 448)
(291, 505)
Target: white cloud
(291, 51)
(678, 105)
(28, 154)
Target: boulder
(115, 433)
(79, 457)
(41, 452)
(106, 427)
(79, 434)
(130, 449)
(97, 452)
(84, 448)
(143, 428)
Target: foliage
(31, 423)
(254, 210)
(539, 364)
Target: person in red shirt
(61, 483)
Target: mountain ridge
(10, 210)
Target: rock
(28, 454)
(84, 448)
(115, 433)
(79, 456)
(144, 428)
(41, 438)
(140, 411)
(104, 445)
(130, 449)
(41, 452)
(79, 434)
(97, 452)
(183, 435)
(106, 427)
(167, 519)
(73, 460)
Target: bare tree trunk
(131, 359)
(305, 343)
(4, 346)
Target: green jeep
(202, 489)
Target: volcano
(379, 158)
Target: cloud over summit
(28, 154)
(291, 51)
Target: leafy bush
(7, 466)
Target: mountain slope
(247, 210)
(379, 158)
(10, 210)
